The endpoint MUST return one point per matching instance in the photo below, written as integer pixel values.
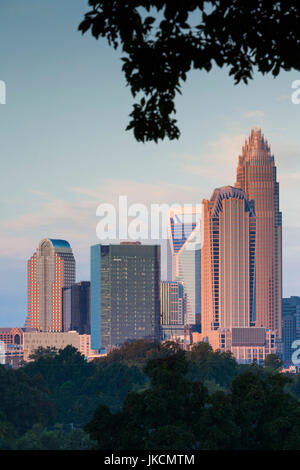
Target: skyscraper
(125, 293)
(51, 268)
(184, 257)
(172, 303)
(76, 308)
(227, 261)
(256, 176)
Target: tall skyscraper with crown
(256, 176)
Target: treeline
(148, 396)
(248, 408)
(57, 393)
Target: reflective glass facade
(184, 260)
(228, 261)
(76, 308)
(125, 293)
(172, 303)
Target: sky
(64, 149)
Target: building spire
(256, 147)
(256, 176)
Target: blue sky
(64, 148)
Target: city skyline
(149, 228)
(63, 128)
(233, 248)
(263, 147)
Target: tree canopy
(78, 386)
(273, 361)
(162, 40)
(148, 396)
(23, 401)
(156, 418)
(175, 413)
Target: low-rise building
(247, 345)
(60, 340)
(11, 346)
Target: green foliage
(148, 396)
(178, 414)
(24, 400)
(169, 366)
(77, 387)
(263, 409)
(170, 437)
(39, 438)
(213, 387)
(43, 352)
(294, 385)
(206, 364)
(159, 50)
(273, 361)
(132, 353)
(61, 385)
(6, 432)
(147, 416)
(215, 428)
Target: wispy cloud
(42, 194)
(139, 192)
(254, 114)
(284, 97)
(53, 211)
(77, 221)
(217, 166)
(74, 217)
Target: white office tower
(184, 259)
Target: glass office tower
(172, 303)
(228, 261)
(125, 293)
(184, 257)
(76, 308)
